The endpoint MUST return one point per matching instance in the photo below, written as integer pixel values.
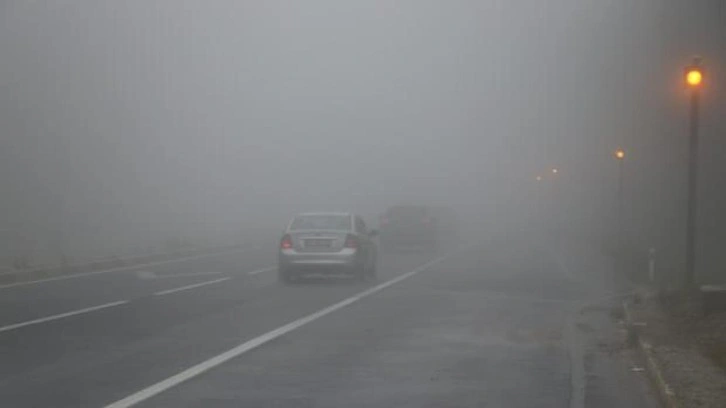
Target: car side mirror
(373, 233)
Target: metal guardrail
(108, 259)
(108, 262)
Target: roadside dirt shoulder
(680, 342)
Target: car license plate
(317, 243)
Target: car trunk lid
(318, 241)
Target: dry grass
(717, 353)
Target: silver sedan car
(327, 244)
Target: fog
(126, 124)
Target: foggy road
(560, 143)
(486, 325)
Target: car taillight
(286, 242)
(351, 242)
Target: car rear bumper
(345, 261)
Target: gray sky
(169, 114)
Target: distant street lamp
(694, 80)
(538, 178)
(694, 77)
(555, 170)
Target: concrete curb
(655, 374)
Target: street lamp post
(620, 156)
(538, 198)
(556, 202)
(694, 80)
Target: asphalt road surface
(506, 321)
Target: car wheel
(360, 274)
(284, 276)
(373, 270)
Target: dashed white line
(200, 368)
(146, 275)
(196, 285)
(263, 270)
(62, 315)
(121, 302)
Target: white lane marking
(578, 374)
(200, 368)
(263, 270)
(121, 302)
(152, 275)
(62, 315)
(119, 269)
(196, 285)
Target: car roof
(341, 214)
(320, 213)
(408, 207)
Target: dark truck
(415, 226)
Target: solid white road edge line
(119, 269)
(62, 315)
(196, 285)
(200, 368)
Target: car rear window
(321, 222)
